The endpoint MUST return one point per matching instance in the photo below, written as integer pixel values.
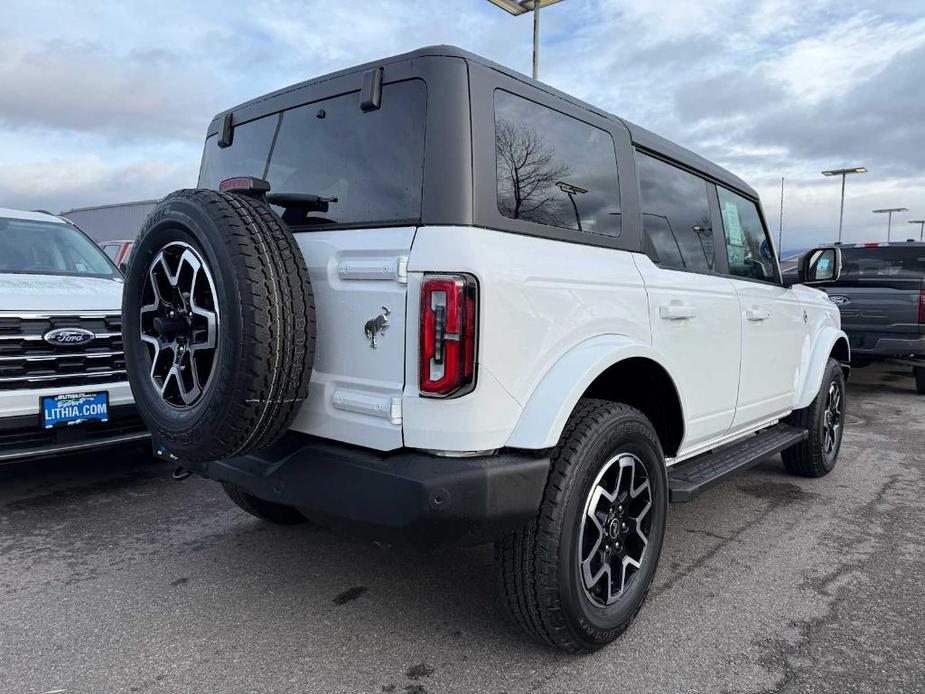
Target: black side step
(688, 479)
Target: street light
(519, 7)
(572, 191)
(889, 220)
(843, 173)
(921, 223)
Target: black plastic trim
(371, 92)
(404, 496)
(226, 137)
(690, 478)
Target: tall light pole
(780, 222)
(889, 220)
(921, 223)
(519, 7)
(843, 173)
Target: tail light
(922, 307)
(448, 335)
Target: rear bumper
(408, 496)
(23, 436)
(884, 345)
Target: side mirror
(123, 267)
(820, 266)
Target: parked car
(430, 299)
(881, 296)
(63, 383)
(117, 251)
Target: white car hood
(57, 294)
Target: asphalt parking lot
(114, 578)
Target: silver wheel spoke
(180, 323)
(614, 533)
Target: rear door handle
(757, 314)
(676, 311)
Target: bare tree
(527, 173)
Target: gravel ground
(114, 578)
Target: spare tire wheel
(218, 325)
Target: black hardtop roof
(640, 136)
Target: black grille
(27, 361)
(24, 434)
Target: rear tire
(546, 569)
(264, 510)
(919, 373)
(824, 419)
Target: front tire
(824, 419)
(604, 505)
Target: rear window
(873, 263)
(44, 248)
(369, 165)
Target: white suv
(63, 384)
(430, 299)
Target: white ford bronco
(430, 299)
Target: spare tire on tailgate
(218, 325)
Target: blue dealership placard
(74, 408)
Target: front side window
(676, 217)
(45, 248)
(553, 169)
(747, 246)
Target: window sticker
(734, 234)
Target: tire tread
(527, 559)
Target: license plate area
(74, 408)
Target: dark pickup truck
(881, 296)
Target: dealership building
(120, 222)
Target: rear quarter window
(553, 169)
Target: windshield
(884, 261)
(45, 248)
(366, 168)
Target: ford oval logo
(840, 300)
(69, 337)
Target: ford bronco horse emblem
(377, 326)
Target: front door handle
(757, 314)
(676, 311)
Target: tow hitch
(179, 473)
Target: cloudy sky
(105, 102)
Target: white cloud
(82, 87)
(846, 54)
(90, 180)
